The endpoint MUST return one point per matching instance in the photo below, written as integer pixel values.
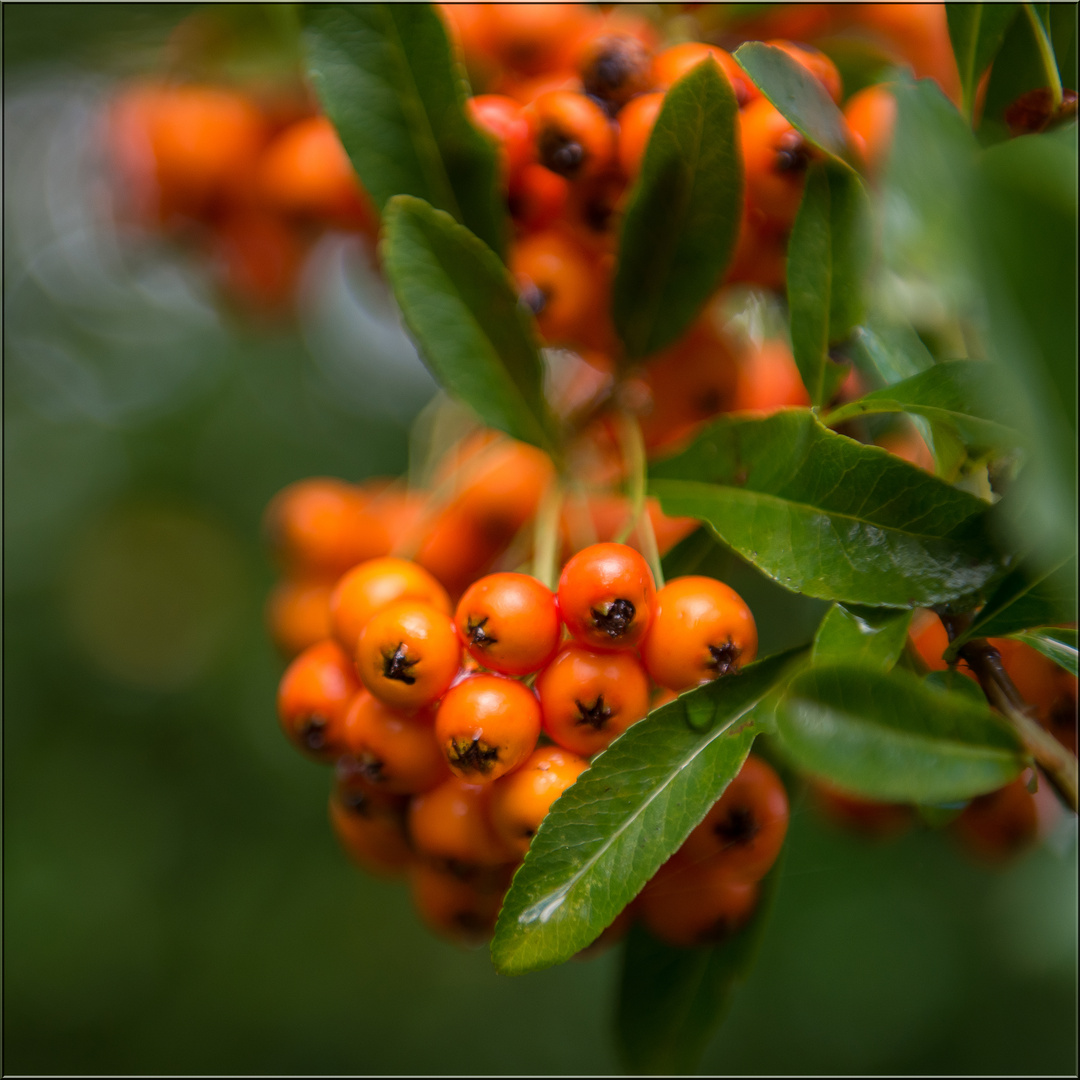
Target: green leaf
(976, 31)
(673, 1001)
(1025, 598)
(387, 77)
(683, 215)
(889, 736)
(607, 835)
(463, 313)
(872, 637)
(827, 516)
(952, 394)
(827, 258)
(802, 99)
(1055, 643)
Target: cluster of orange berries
(251, 179)
(1000, 824)
(453, 726)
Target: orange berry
(775, 160)
(374, 585)
(878, 820)
(745, 829)
(636, 122)
(1001, 824)
(463, 911)
(606, 596)
(313, 696)
(871, 118)
(258, 256)
(768, 379)
(537, 197)
(532, 38)
(298, 613)
(408, 654)
(701, 630)
(389, 751)
(451, 826)
(574, 137)
(615, 67)
(672, 64)
(589, 698)
(486, 726)
(371, 829)
(816, 62)
(520, 801)
(505, 120)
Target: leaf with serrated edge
(874, 637)
(1023, 599)
(827, 516)
(608, 833)
(683, 214)
(794, 92)
(890, 737)
(1055, 643)
(673, 1001)
(464, 316)
(951, 393)
(388, 79)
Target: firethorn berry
(745, 829)
(574, 136)
(701, 630)
(520, 801)
(371, 828)
(463, 911)
(871, 118)
(760, 256)
(558, 282)
(313, 696)
(305, 171)
(687, 905)
(672, 64)
(910, 446)
(817, 63)
(321, 526)
(606, 596)
(408, 654)
(258, 257)
(298, 613)
(636, 122)
(775, 160)
(1001, 824)
(588, 698)
(537, 197)
(877, 820)
(389, 751)
(509, 623)
(486, 726)
(615, 68)
(768, 379)
(451, 825)
(504, 119)
(375, 584)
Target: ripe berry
(816, 62)
(371, 829)
(503, 119)
(408, 654)
(615, 68)
(775, 160)
(486, 726)
(463, 911)
(451, 826)
(574, 137)
(376, 584)
(389, 751)
(298, 613)
(607, 596)
(520, 801)
(871, 118)
(672, 64)
(1000, 824)
(509, 623)
(588, 698)
(313, 696)
(701, 629)
(745, 829)
(636, 122)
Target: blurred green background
(174, 898)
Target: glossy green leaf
(387, 77)
(610, 832)
(672, 1002)
(827, 516)
(976, 32)
(1025, 598)
(889, 736)
(683, 215)
(463, 313)
(802, 99)
(826, 267)
(952, 394)
(872, 637)
(1055, 643)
